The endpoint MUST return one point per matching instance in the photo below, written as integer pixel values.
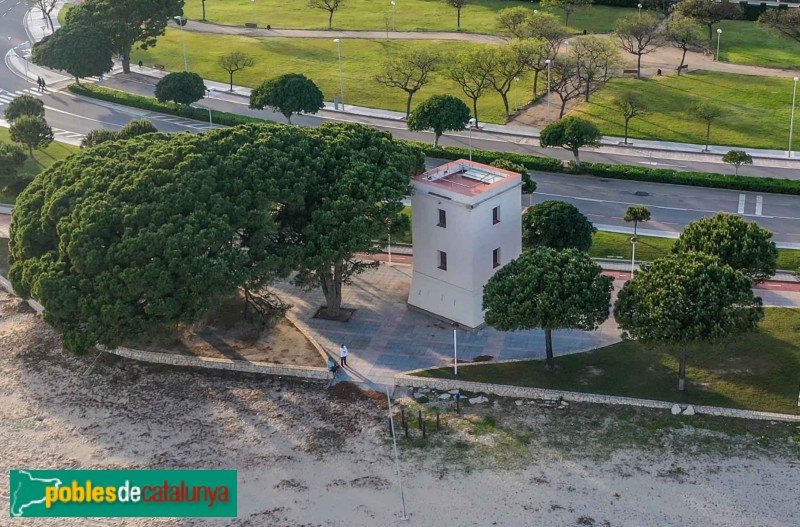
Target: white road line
(741, 204)
(759, 204)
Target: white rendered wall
(469, 239)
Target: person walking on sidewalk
(44, 85)
(343, 353)
(39, 82)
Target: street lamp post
(394, 7)
(548, 62)
(341, 71)
(516, 94)
(210, 121)
(253, 16)
(791, 120)
(472, 122)
(640, 9)
(634, 240)
(719, 35)
(180, 19)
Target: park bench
(629, 72)
(159, 67)
(251, 25)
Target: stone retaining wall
(521, 392)
(285, 370)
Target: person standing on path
(44, 85)
(343, 353)
(39, 83)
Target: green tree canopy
(709, 12)
(784, 21)
(630, 104)
(458, 5)
(80, 50)
(410, 71)
(182, 87)
(548, 289)
(235, 61)
(737, 158)
(558, 225)
(33, 132)
(24, 105)
(470, 70)
(440, 113)
(512, 20)
(288, 94)
(708, 113)
(568, 6)
(639, 35)
(528, 184)
(686, 298)
(126, 22)
(637, 213)
(743, 245)
(11, 159)
(96, 137)
(149, 231)
(571, 133)
(136, 128)
(684, 33)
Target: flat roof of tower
(465, 177)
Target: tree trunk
(30, 150)
(77, 80)
(639, 66)
(566, 17)
(126, 60)
(231, 80)
(710, 33)
(535, 83)
(563, 108)
(459, 19)
(505, 100)
(330, 20)
(548, 347)
(204, 10)
(736, 170)
(708, 134)
(289, 119)
(408, 104)
(436, 136)
(635, 224)
(331, 283)
(587, 91)
(50, 21)
(683, 58)
(475, 109)
(682, 371)
(627, 120)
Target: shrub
(136, 127)
(95, 137)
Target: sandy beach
(308, 456)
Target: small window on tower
(496, 258)
(496, 215)
(442, 219)
(443, 260)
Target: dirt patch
(349, 392)
(227, 333)
(344, 314)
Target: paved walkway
(221, 29)
(385, 337)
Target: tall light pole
(791, 120)
(719, 35)
(180, 19)
(516, 94)
(341, 71)
(640, 9)
(472, 122)
(210, 121)
(394, 7)
(548, 62)
(253, 16)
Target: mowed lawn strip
(318, 59)
(42, 159)
(756, 371)
(755, 110)
(751, 43)
(479, 16)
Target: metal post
(455, 352)
(397, 458)
(516, 94)
(548, 61)
(341, 71)
(719, 36)
(419, 419)
(389, 245)
(437, 420)
(210, 120)
(791, 120)
(633, 256)
(183, 41)
(394, 7)
(254, 10)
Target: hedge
(149, 103)
(543, 164)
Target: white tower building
(466, 224)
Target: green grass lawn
(318, 59)
(756, 109)
(749, 43)
(757, 371)
(479, 16)
(43, 159)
